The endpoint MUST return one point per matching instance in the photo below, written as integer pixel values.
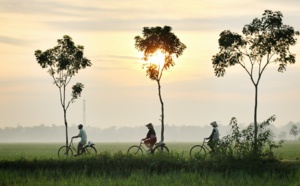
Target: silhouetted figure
(83, 136)
(214, 137)
(150, 139)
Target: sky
(117, 91)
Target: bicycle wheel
(197, 151)
(64, 152)
(135, 150)
(89, 150)
(161, 149)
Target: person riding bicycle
(214, 137)
(150, 139)
(83, 136)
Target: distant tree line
(184, 133)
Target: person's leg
(211, 145)
(147, 143)
(152, 143)
(79, 148)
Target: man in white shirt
(83, 136)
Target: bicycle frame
(136, 149)
(67, 151)
(219, 146)
(143, 147)
(205, 146)
(71, 146)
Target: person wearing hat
(83, 136)
(150, 139)
(214, 137)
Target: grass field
(38, 164)
(11, 151)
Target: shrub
(241, 142)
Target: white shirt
(83, 136)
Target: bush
(241, 142)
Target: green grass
(289, 151)
(144, 178)
(38, 164)
(11, 151)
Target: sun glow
(158, 58)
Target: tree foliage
(159, 39)
(163, 39)
(264, 41)
(241, 141)
(63, 62)
(266, 37)
(294, 131)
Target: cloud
(100, 25)
(13, 41)
(133, 15)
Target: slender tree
(156, 39)
(265, 41)
(63, 62)
(294, 131)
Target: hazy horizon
(172, 133)
(117, 91)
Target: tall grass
(144, 178)
(37, 164)
(120, 169)
(120, 163)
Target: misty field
(11, 151)
(38, 164)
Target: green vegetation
(35, 164)
(144, 178)
(242, 144)
(264, 41)
(13, 151)
(63, 63)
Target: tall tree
(265, 41)
(63, 62)
(294, 131)
(154, 40)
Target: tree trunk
(66, 126)
(255, 119)
(162, 111)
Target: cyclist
(214, 137)
(150, 139)
(83, 136)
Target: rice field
(38, 164)
(289, 151)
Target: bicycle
(139, 149)
(201, 150)
(67, 151)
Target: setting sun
(158, 58)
